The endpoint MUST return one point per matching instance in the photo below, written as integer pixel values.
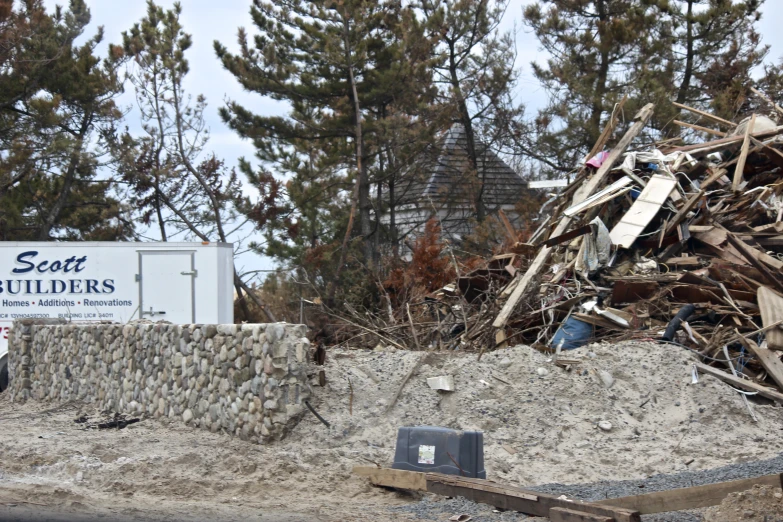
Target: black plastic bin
(431, 449)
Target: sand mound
(541, 422)
(760, 504)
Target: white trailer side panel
(177, 282)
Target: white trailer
(182, 283)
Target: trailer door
(167, 286)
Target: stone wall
(249, 380)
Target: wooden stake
(740, 169)
(404, 381)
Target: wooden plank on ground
(569, 515)
(740, 383)
(393, 478)
(771, 306)
(518, 499)
(743, 155)
(642, 117)
(689, 498)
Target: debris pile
(675, 243)
(681, 244)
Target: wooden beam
(702, 149)
(690, 498)
(715, 175)
(518, 499)
(568, 235)
(740, 169)
(569, 515)
(740, 383)
(642, 117)
(707, 115)
(700, 128)
(393, 478)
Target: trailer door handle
(194, 273)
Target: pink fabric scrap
(598, 160)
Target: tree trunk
(682, 93)
(594, 131)
(361, 191)
(70, 178)
(467, 124)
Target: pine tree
(343, 68)
(594, 47)
(56, 130)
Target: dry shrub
(429, 270)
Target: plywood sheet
(644, 209)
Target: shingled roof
(452, 182)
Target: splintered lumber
(690, 498)
(707, 115)
(754, 260)
(393, 478)
(700, 128)
(743, 155)
(740, 383)
(768, 359)
(680, 215)
(641, 119)
(700, 149)
(518, 499)
(771, 306)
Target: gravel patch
(440, 508)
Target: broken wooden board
(740, 383)
(644, 209)
(768, 359)
(612, 191)
(393, 478)
(690, 498)
(771, 306)
(740, 169)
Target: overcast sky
(209, 20)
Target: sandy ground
(540, 425)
